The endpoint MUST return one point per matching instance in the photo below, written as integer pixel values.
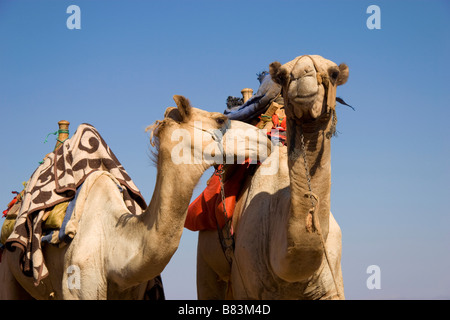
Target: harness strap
(226, 233)
(217, 136)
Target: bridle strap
(217, 135)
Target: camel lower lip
(307, 96)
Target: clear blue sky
(390, 162)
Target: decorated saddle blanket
(56, 181)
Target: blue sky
(390, 167)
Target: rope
(57, 139)
(55, 133)
(228, 248)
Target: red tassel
(13, 201)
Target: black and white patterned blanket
(56, 180)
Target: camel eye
(220, 121)
(334, 75)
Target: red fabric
(283, 123)
(207, 208)
(281, 127)
(10, 205)
(276, 123)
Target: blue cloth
(258, 103)
(48, 237)
(62, 231)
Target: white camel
(115, 252)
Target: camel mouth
(307, 96)
(305, 91)
(307, 109)
(305, 102)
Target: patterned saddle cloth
(53, 184)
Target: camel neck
(172, 194)
(297, 247)
(316, 145)
(161, 225)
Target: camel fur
(279, 222)
(115, 252)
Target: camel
(282, 223)
(115, 252)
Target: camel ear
(343, 74)
(278, 74)
(184, 106)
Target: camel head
(309, 85)
(194, 136)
